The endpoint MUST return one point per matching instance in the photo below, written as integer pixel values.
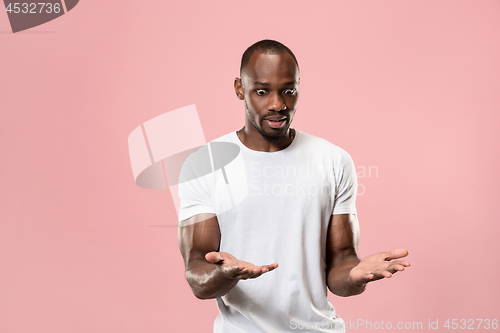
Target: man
(298, 211)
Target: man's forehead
(271, 66)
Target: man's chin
(273, 137)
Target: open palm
(238, 268)
(378, 266)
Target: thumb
(213, 257)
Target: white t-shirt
(273, 208)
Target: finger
(400, 263)
(242, 276)
(214, 257)
(256, 271)
(368, 277)
(247, 274)
(386, 274)
(405, 263)
(233, 271)
(266, 268)
(262, 269)
(271, 267)
(396, 254)
(398, 268)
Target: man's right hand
(210, 273)
(238, 269)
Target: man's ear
(238, 88)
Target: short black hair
(268, 46)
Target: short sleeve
(194, 186)
(346, 185)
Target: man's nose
(276, 102)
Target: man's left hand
(378, 266)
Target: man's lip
(276, 119)
(275, 124)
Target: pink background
(408, 87)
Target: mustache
(275, 115)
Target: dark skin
(210, 273)
(269, 88)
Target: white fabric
(291, 195)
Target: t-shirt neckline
(290, 146)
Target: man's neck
(255, 141)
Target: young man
(288, 198)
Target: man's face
(269, 86)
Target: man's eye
(260, 92)
(290, 92)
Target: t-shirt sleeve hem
(188, 213)
(344, 211)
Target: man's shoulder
(212, 154)
(202, 153)
(319, 144)
(229, 137)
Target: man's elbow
(198, 287)
(346, 292)
(199, 295)
(202, 294)
(340, 284)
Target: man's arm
(347, 275)
(211, 274)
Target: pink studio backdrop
(409, 88)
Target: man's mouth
(275, 122)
